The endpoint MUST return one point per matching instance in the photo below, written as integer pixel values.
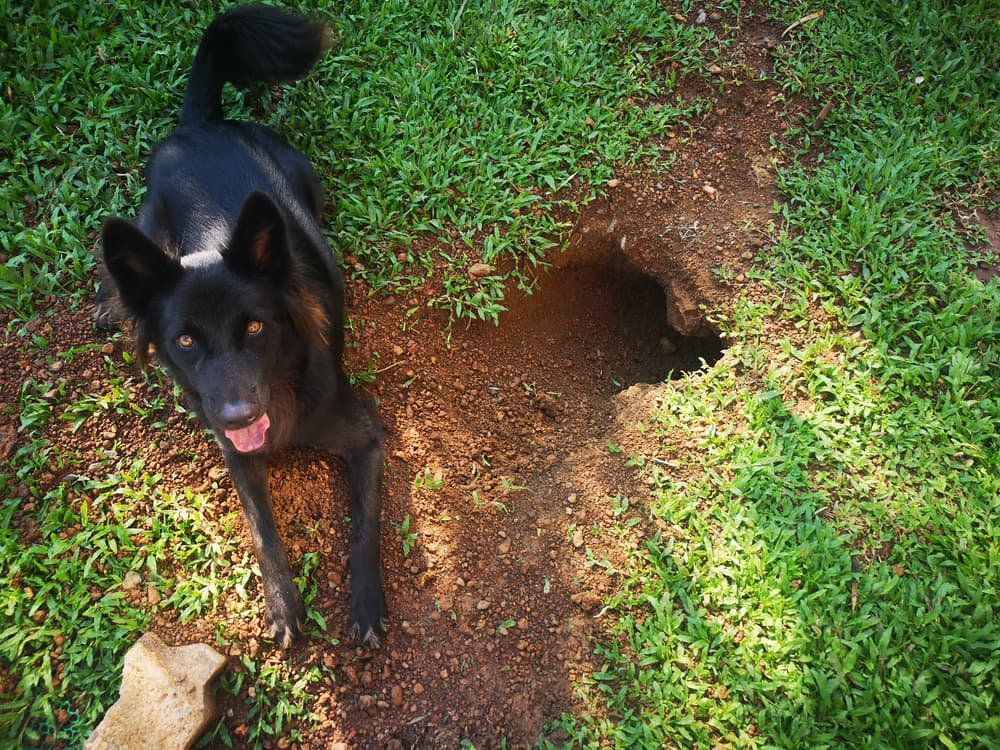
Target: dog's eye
(185, 341)
(254, 327)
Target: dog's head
(227, 320)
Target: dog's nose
(236, 414)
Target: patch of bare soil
(519, 429)
(990, 222)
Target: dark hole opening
(610, 315)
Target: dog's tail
(246, 44)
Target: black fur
(226, 274)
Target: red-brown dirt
(525, 430)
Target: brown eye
(254, 327)
(185, 341)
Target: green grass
(829, 576)
(507, 103)
(66, 615)
(443, 131)
(826, 572)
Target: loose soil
(524, 429)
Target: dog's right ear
(259, 245)
(137, 265)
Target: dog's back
(199, 177)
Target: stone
(479, 271)
(683, 311)
(175, 680)
(587, 600)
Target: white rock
(164, 702)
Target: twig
(804, 19)
(818, 122)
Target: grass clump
(449, 146)
(68, 618)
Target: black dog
(227, 275)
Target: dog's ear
(259, 245)
(137, 265)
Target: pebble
(587, 600)
(131, 581)
(578, 538)
(396, 696)
(504, 547)
(479, 270)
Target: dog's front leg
(285, 615)
(368, 611)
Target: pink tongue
(250, 438)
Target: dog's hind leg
(285, 614)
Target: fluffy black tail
(246, 44)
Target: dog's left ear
(259, 245)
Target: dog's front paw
(284, 618)
(369, 617)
